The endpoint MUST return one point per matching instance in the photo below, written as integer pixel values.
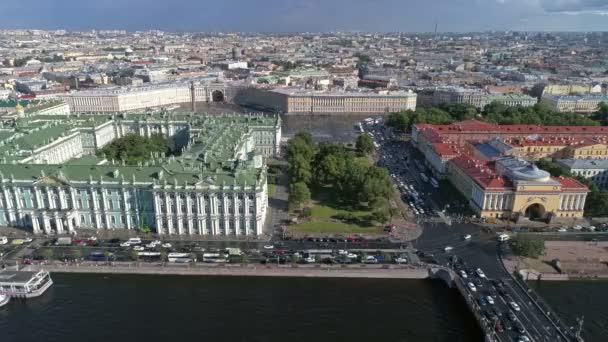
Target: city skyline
(311, 15)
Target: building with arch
(124, 99)
(511, 188)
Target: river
(192, 308)
(572, 299)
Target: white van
(3, 240)
(134, 241)
(503, 237)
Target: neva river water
(575, 298)
(118, 308)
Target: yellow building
(513, 189)
(586, 151)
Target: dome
(530, 173)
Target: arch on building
(218, 96)
(536, 211)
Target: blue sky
(307, 15)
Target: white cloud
(575, 6)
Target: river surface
(116, 308)
(572, 299)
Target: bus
(180, 257)
(424, 177)
(213, 257)
(434, 182)
(97, 256)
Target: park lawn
(325, 206)
(320, 227)
(325, 212)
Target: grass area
(324, 212)
(272, 190)
(325, 207)
(316, 227)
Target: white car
(467, 237)
(371, 260)
(138, 248)
(351, 256)
(448, 248)
(269, 247)
(3, 240)
(514, 306)
(472, 287)
(166, 245)
(125, 244)
(463, 274)
(28, 240)
(490, 300)
(480, 273)
(92, 238)
(523, 338)
(401, 260)
(562, 230)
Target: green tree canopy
(365, 144)
(299, 194)
(527, 245)
(133, 148)
(602, 114)
(400, 120)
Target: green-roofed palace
(52, 181)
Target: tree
(528, 245)
(76, 254)
(602, 114)
(376, 184)
(47, 253)
(299, 169)
(596, 204)
(381, 215)
(145, 229)
(133, 148)
(329, 169)
(551, 167)
(299, 194)
(400, 120)
(365, 144)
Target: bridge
(506, 309)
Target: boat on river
(24, 284)
(4, 300)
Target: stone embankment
(369, 271)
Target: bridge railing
(546, 310)
(544, 307)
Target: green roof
(212, 157)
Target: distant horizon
(289, 16)
(294, 32)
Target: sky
(307, 15)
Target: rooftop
(600, 164)
(219, 153)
